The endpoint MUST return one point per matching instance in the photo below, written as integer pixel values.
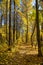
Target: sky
(33, 3)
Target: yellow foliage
(17, 2)
(3, 47)
(22, 16)
(41, 33)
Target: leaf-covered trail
(21, 55)
(27, 49)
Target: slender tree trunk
(27, 29)
(14, 24)
(1, 19)
(0, 23)
(6, 17)
(17, 32)
(27, 24)
(32, 34)
(10, 25)
(38, 30)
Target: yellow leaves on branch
(17, 2)
(22, 16)
(3, 4)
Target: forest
(21, 32)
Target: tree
(26, 5)
(42, 16)
(14, 24)
(1, 19)
(38, 30)
(9, 25)
(1, 16)
(6, 17)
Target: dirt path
(27, 49)
(24, 55)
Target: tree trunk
(17, 26)
(10, 25)
(1, 20)
(38, 30)
(14, 24)
(32, 34)
(6, 17)
(27, 23)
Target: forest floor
(23, 54)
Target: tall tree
(6, 16)
(26, 8)
(1, 16)
(1, 19)
(38, 30)
(14, 24)
(26, 14)
(9, 25)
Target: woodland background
(21, 32)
